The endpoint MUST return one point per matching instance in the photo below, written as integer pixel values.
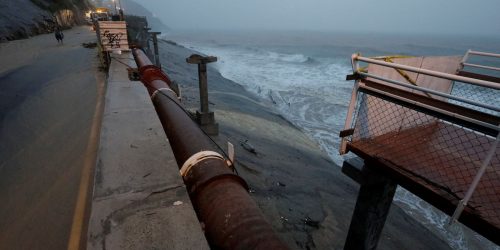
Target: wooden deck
(431, 144)
(437, 162)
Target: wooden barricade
(113, 35)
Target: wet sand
(300, 190)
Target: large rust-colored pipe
(231, 217)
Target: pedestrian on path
(59, 35)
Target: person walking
(59, 35)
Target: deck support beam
(372, 206)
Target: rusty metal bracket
(354, 76)
(346, 132)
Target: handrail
(426, 90)
(481, 66)
(479, 53)
(356, 58)
(428, 72)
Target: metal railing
(356, 58)
(478, 82)
(393, 92)
(479, 53)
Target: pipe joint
(197, 158)
(208, 170)
(155, 93)
(150, 73)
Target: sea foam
(312, 94)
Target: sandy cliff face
(24, 18)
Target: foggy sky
(466, 17)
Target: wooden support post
(202, 76)
(372, 206)
(204, 117)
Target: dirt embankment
(25, 18)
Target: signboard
(113, 35)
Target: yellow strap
(391, 57)
(402, 73)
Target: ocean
(302, 73)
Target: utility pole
(116, 11)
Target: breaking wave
(289, 58)
(311, 92)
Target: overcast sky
(468, 17)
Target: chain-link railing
(441, 155)
(444, 138)
(476, 93)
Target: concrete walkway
(139, 200)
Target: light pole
(114, 1)
(121, 10)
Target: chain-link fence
(434, 126)
(478, 94)
(439, 154)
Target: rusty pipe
(231, 217)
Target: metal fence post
(155, 47)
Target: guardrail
(356, 58)
(479, 53)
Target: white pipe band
(197, 158)
(158, 90)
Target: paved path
(48, 96)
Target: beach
(300, 190)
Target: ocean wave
(315, 98)
(290, 58)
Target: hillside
(133, 8)
(24, 18)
